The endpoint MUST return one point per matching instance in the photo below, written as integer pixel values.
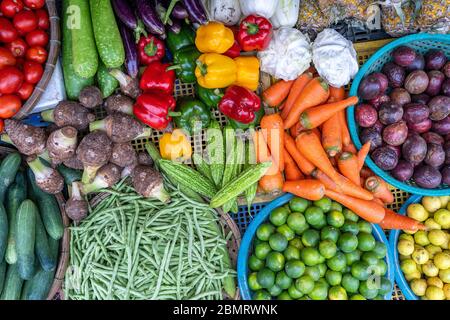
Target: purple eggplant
(180, 12)
(150, 17)
(131, 56)
(175, 27)
(126, 15)
(195, 9)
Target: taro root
(436, 80)
(372, 135)
(123, 154)
(404, 56)
(417, 64)
(417, 82)
(27, 139)
(385, 158)
(106, 177)
(420, 98)
(435, 59)
(395, 134)
(400, 96)
(433, 137)
(403, 171)
(47, 179)
(442, 127)
(365, 115)
(414, 149)
(445, 89)
(73, 163)
(379, 100)
(121, 127)
(390, 113)
(420, 127)
(94, 152)
(435, 155)
(144, 159)
(76, 207)
(90, 97)
(446, 69)
(439, 107)
(119, 103)
(62, 144)
(427, 177)
(69, 113)
(129, 86)
(395, 74)
(370, 87)
(149, 183)
(415, 112)
(445, 172)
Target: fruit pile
(317, 250)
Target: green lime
(310, 238)
(264, 231)
(335, 219)
(350, 226)
(378, 297)
(333, 277)
(350, 283)
(266, 278)
(262, 250)
(366, 241)
(322, 269)
(330, 233)
(304, 284)
(315, 217)
(364, 226)
(336, 206)
(253, 282)
(337, 293)
(275, 290)
(275, 261)
(313, 272)
(357, 297)
(323, 282)
(279, 216)
(286, 231)
(294, 268)
(262, 295)
(368, 289)
(350, 215)
(347, 242)
(310, 256)
(338, 262)
(291, 253)
(327, 248)
(380, 268)
(319, 292)
(385, 286)
(347, 269)
(353, 256)
(294, 292)
(324, 204)
(297, 222)
(286, 206)
(304, 298)
(360, 270)
(283, 280)
(299, 204)
(297, 243)
(256, 241)
(284, 296)
(278, 242)
(380, 250)
(369, 257)
(254, 263)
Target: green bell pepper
(184, 64)
(210, 97)
(238, 125)
(182, 39)
(194, 115)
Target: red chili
(157, 79)
(25, 91)
(17, 47)
(255, 33)
(240, 104)
(10, 80)
(37, 54)
(32, 71)
(154, 109)
(9, 8)
(150, 49)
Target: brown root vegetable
(27, 139)
(145, 159)
(106, 177)
(121, 127)
(123, 154)
(47, 179)
(129, 86)
(62, 144)
(73, 163)
(76, 207)
(119, 103)
(149, 183)
(69, 113)
(90, 97)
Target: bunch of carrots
(312, 155)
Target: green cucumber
(25, 238)
(8, 170)
(37, 288)
(84, 51)
(2, 274)
(42, 247)
(13, 284)
(106, 82)
(216, 152)
(70, 175)
(73, 83)
(106, 32)
(3, 231)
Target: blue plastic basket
(247, 242)
(422, 43)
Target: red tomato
(2, 125)
(7, 31)
(10, 80)
(25, 21)
(37, 38)
(18, 47)
(37, 54)
(9, 105)
(9, 8)
(6, 58)
(43, 20)
(32, 71)
(34, 4)
(25, 90)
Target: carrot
(365, 172)
(379, 201)
(281, 106)
(362, 154)
(309, 189)
(295, 130)
(262, 152)
(297, 87)
(272, 128)
(396, 221)
(379, 188)
(350, 148)
(333, 161)
(368, 210)
(291, 170)
(331, 136)
(336, 94)
(315, 93)
(348, 166)
(346, 140)
(272, 184)
(327, 182)
(354, 190)
(276, 93)
(304, 164)
(317, 132)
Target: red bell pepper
(255, 33)
(156, 78)
(235, 50)
(155, 109)
(240, 104)
(150, 49)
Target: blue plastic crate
(244, 217)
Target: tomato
(37, 54)
(10, 80)
(34, 4)
(10, 104)
(25, 90)
(6, 58)
(2, 125)
(18, 47)
(7, 31)
(43, 20)
(9, 8)
(37, 38)
(25, 21)
(32, 71)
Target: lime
(364, 226)
(322, 269)
(304, 298)
(264, 231)
(333, 277)
(254, 263)
(357, 297)
(368, 289)
(327, 248)
(378, 297)
(385, 286)
(279, 216)
(313, 272)
(275, 261)
(353, 256)
(337, 293)
(294, 268)
(360, 270)
(299, 204)
(287, 232)
(282, 280)
(253, 282)
(335, 219)
(350, 215)
(278, 242)
(294, 292)
(275, 290)
(421, 238)
(297, 243)
(262, 250)
(304, 284)
(380, 268)
(324, 204)
(256, 241)
(266, 278)
(369, 257)
(315, 217)
(350, 226)
(347, 242)
(284, 296)
(336, 206)
(350, 283)
(338, 262)
(310, 238)
(262, 295)
(324, 282)
(330, 233)
(366, 241)
(310, 256)
(380, 250)
(286, 206)
(297, 222)
(291, 253)
(319, 292)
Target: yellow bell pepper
(175, 146)
(215, 71)
(247, 72)
(214, 37)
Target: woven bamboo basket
(53, 53)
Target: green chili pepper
(210, 97)
(177, 41)
(185, 63)
(193, 113)
(238, 125)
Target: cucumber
(70, 175)
(84, 51)
(106, 32)
(8, 170)
(73, 82)
(2, 274)
(26, 238)
(37, 288)
(42, 247)
(106, 82)
(54, 248)
(48, 208)
(13, 284)
(3, 231)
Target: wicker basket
(53, 53)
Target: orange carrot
(354, 190)
(348, 166)
(379, 188)
(331, 136)
(281, 106)
(366, 172)
(297, 87)
(262, 152)
(271, 184)
(291, 170)
(333, 161)
(362, 154)
(309, 189)
(317, 132)
(304, 164)
(396, 221)
(315, 93)
(336, 94)
(346, 140)
(350, 148)
(295, 130)
(272, 128)
(327, 182)
(276, 93)
(368, 210)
